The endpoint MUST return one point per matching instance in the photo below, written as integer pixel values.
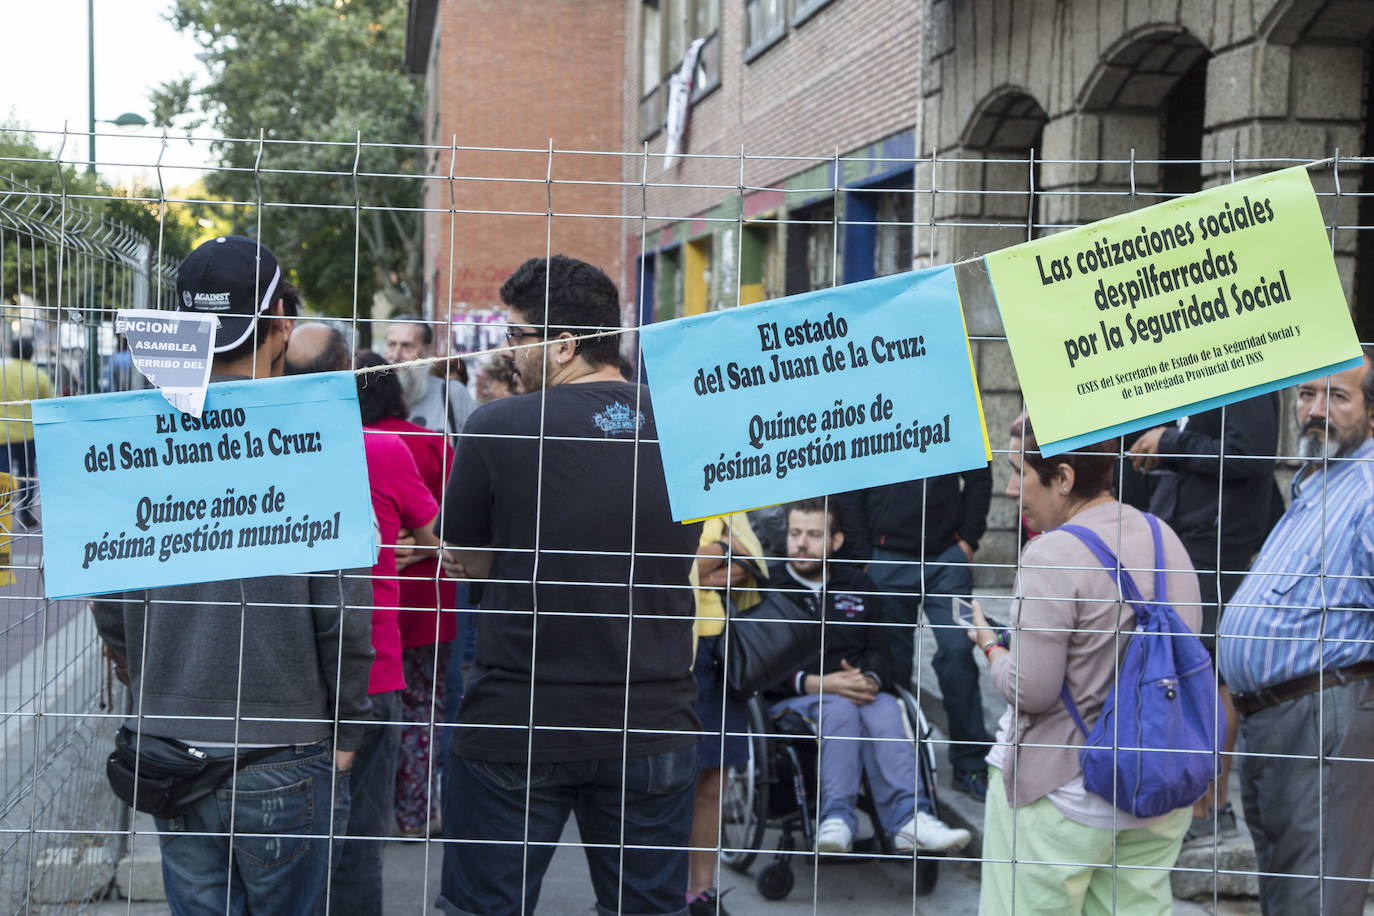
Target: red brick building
(836, 140)
(806, 81)
(811, 107)
(512, 76)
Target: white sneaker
(930, 834)
(834, 836)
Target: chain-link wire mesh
(64, 272)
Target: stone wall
(1084, 83)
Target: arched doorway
(997, 174)
(1138, 128)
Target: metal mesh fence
(65, 271)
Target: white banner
(173, 351)
(680, 102)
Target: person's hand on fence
(343, 760)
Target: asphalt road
(856, 888)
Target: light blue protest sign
(838, 389)
(271, 479)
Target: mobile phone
(963, 612)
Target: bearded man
(434, 402)
(1296, 646)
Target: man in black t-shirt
(581, 698)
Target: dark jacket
(950, 507)
(1250, 503)
(850, 633)
(274, 660)
(271, 660)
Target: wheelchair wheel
(927, 876)
(775, 881)
(744, 803)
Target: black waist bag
(162, 777)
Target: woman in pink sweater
(1057, 847)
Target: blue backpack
(1154, 748)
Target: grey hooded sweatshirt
(306, 647)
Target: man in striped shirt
(1296, 646)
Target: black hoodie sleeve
(878, 641)
(1252, 428)
(975, 498)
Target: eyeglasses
(513, 336)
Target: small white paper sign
(173, 351)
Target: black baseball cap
(232, 277)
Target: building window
(766, 22)
(667, 29)
(802, 10)
(810, 248)
(650, 46)
(892, 252)
(705, 17)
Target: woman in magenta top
(425, 591)
(400, 500)
(426, 601)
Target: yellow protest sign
(7, 491)
(1196, 302)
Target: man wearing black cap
(239, 281)
(276, 665)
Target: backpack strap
(1109, 561)
(1072, 707)
(1129, 590)
(1161, 583)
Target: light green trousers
(1083, 880)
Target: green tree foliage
(33, 184)
(24, 162)
(322, 71)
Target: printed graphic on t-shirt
(849, 605)
(618, 420)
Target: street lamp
(127, 121)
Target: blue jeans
(357, 881)
(462, 651)
(845, 758)
(940, 577)
(485, 801)
(278, 857)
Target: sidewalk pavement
(858, 888)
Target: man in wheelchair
(847, 693)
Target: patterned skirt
(422, 701)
